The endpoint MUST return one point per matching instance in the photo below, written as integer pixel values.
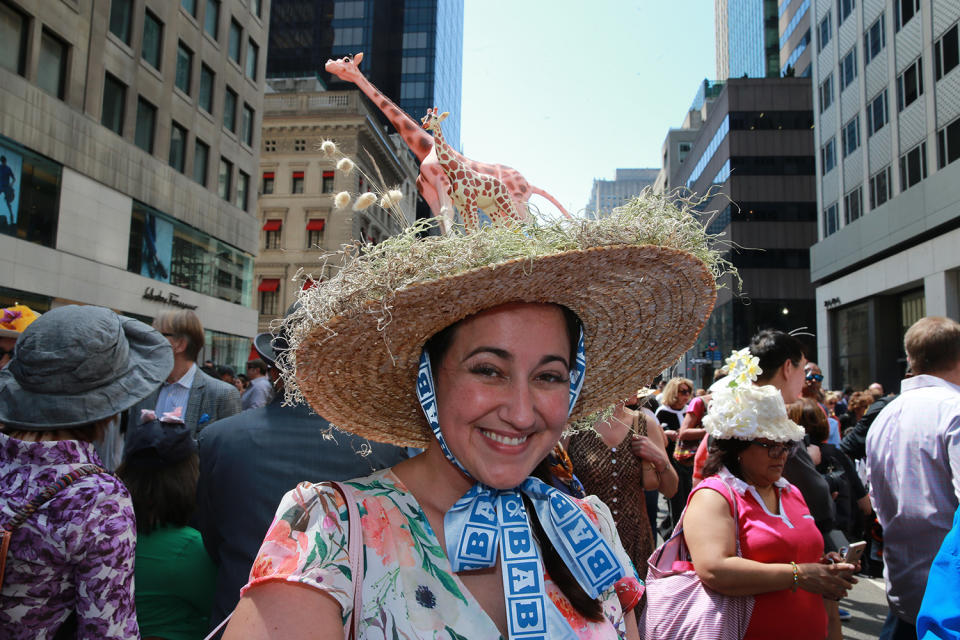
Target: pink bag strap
(354, 549)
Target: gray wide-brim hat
(75, 365)
(270, 345)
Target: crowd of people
(494, 470)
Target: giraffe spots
(424, 145)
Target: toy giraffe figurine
(432, 182)
(469, 189)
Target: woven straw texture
(641, 308)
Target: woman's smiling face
(503, 389)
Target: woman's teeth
(496, 437)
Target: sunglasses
(685, 392)
(777, 449)
(815, 376)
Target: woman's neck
(434, 481)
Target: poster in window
(11, 165)
(157, 248)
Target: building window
(246, 125)
(233, 41)
(13, 39)
(874, 40)
(347, 36)
(255, 7)
(299, 145)
(184, 68)
(946, 53)
(948, 144)
(913, 166)
(201, 161)
(270, 146)
(266, 187)
(415, 40)
(910, 85)
(881, 187)
(844, 9)
(683, 150)
(877, 113)
(851, 136)
(224, 179)
(848, 68)
(121, 19)
(315, 233)
(345, 10)
(52, 64)
(178, 146)
(825, 32)
(828, 156)
(152, 40)
(190, 6)
(327, 186)
(114, 102)
(826, 93)
(211, 19)
(272, 230)
(297, 184)
(831, 220)
(412, 90)
(903, 11)
(243, 188)
(415, 64)
(253, 52)
(269, 302)
(230, 110)
(205, 97)
(146, 125)
(853, 205)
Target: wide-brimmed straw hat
(75, 365)
(642, 282)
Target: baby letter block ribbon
(485, 519)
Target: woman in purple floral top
(71, 562)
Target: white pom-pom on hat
(364, 201)
(341, 200)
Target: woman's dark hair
(92, 432)
(162, 497)
(554, 565)
(438, 344)
(808, 414)
(725, 453)
(773, 348)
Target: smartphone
(853, 553)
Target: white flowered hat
(743, 411)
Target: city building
(606, 195)
(888, 184)
(747, 38)
(679, 142)
(795, 38)
(129, 135)
(413, 49)
(300, 224)
(750, 171)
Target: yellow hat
(15, 319)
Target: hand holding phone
(854, 552)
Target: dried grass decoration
(643, 282)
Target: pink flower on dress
(386, 532)
(280, 553)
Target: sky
(567, 91)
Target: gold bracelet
(796, 576)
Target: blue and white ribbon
(485, 519)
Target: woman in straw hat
(780, 561)
(69, 564)
(479, 348)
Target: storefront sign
(832, 302)
(150, 293)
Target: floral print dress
(409, 589)
(76, 553)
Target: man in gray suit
(188, 393)
(247, 464)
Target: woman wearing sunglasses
(780, 562)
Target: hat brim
(9, 333)
(263, 345)
(149, 362)
(641, 308)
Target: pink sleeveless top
(765, 537)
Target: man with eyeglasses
(812, 388)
